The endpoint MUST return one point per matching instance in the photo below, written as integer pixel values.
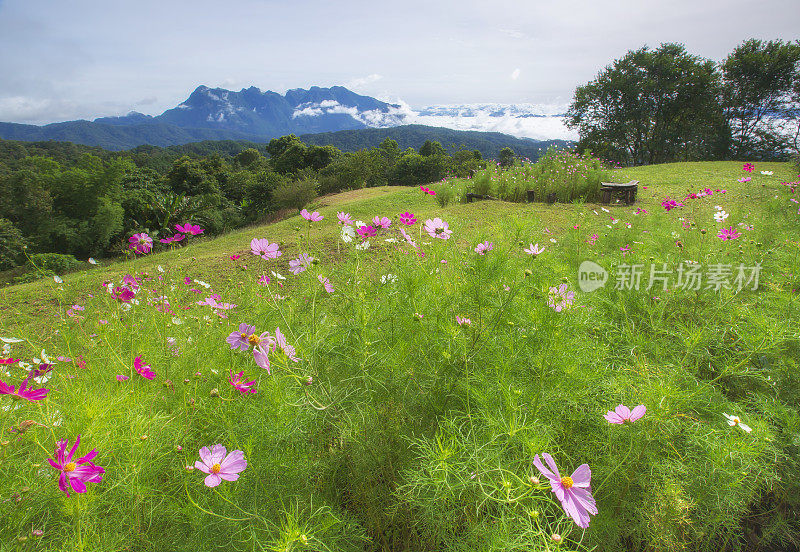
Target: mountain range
(253, 115)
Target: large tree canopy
(651, 106)
(761, 98)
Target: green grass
(415, 433)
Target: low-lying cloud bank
(540, 122)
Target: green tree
(431, 148)
(506, 157)
(760, 94)
(651, 106)
(12, 245)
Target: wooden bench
(627, 191)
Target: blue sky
(85, 58)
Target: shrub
(296, 194)
(54, 262)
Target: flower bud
(37, 532)
(214, 392)
(534, 480)
(528, 272)
(308, 381)
(556, 538)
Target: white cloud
(515, 74)
(361, 82)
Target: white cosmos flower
(362, 246)
(388, 278)
(202, 283)
(348, 233)
(767, 173)
(604, 209)
(720, 216)
(735, 421)
(11, 340)
(278, 276)
(91, 261)
(58, 280)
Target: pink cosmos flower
(622, 414)
(121, 377)
(219, 465)
(287, 349)
(482, 248)
(243, 387)
(213, 302)
(264, 249)
(744, 179)
(408, 218)
(311, 217)
(300, 264)
(234, 257)
(431, 192)
(344, 218)
(77, 473)
(728, 234)
(325, 283)
(262, 344)
(143, 369)
(437, 228)
(574, 492)
(424, 189)
(464, 322)
(189, 228)
(24, 392)
(367, 231)
(534, 250)
(560, 299)
(264, 280)
(141, 243)
(239, 340)
(748, 167)
(172, 239)
(383, 222)
(9, 360)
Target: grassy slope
(208, 259)
(636, 354)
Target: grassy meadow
(399, 428)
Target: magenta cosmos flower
(141, 243)
(670, 204)
(748, 167)
(574, 492)
(264, 249)
(243, 387)
(143, 369)
(75, 473)
(219, 465)
(344, 218)
(463, 321)
(482, 248)
(437, 228)
(189, 228)
(622, 414)
(311, 217)
(24, 392)
(367, 231)
(408, 218)
(172, 239)
(383, 222)
(728, 234)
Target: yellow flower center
(216, 468)
(254, 339)
(70, 467)
(567, 482)
(244, 335)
